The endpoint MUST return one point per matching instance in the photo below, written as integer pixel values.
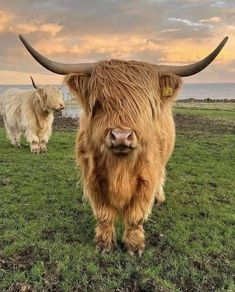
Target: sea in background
(193, 90)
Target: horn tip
(23, 40)
(225, 40)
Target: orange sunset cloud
(83, 35)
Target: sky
(172, 32)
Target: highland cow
(125, 139)
(30, 112)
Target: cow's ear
(38, 94)
(78, 86)
(169, 85)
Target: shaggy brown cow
(125, 138)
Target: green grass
(228, 106)
(46, 231)
(216, 111)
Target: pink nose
(120, 137)
(61, 106)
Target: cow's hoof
(35, 151)
(103, 250)
(158, 203)
(104, 247)
(160, 197)
(15, 145)
(135, 248)
(137, 252)
(43, 150)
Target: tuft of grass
(46, 230)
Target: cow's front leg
(105, 230)
(43, 146)
(134, 239)
(34, 147)
(160, 195)
(44, 138)
(33, 140)
(134, 215)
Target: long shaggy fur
(30, 112)
(132, 95)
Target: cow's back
(13, 103)
(14, 97)
(10, 95)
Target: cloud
(11, 23)
(217, 3)
(174, 32)
(189, 22)
(5, 18)
(51, 28)
(87, 46)
(214, 19)
(171, 30)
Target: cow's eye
(96, 107)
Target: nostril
(129, 136)
(61, 105)
(112, 136)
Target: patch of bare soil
(184, 122)
(20, 287)
(62, 123)
(135, 284)
(187, 122)
(24, 260)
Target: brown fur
(133, 95)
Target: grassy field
(228, 106)
(46, 231)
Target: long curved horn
(194, 68)
(34, 85)
(65, 69)
(56, 67)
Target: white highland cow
(30, 112)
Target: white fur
(30, 112)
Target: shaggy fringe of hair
(127, 86)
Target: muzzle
(61, 107)
(121, 141)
